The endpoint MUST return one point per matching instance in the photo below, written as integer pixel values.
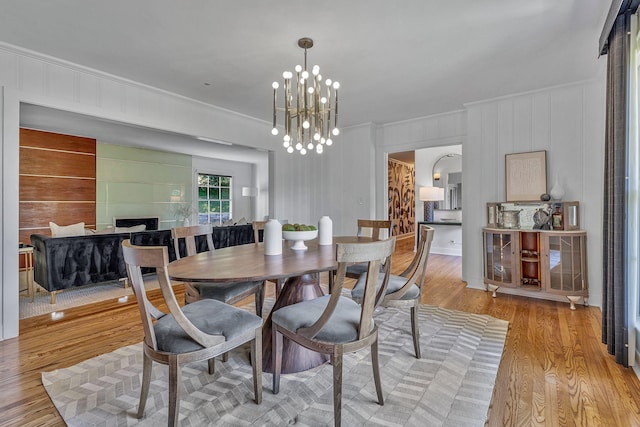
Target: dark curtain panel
(614, 302)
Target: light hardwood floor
(554, 371)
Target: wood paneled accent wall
(402, 178)
(57, 181)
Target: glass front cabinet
(565, 268)
(500, 248)
(544, 264)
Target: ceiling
(394, 60)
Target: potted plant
(183, 211)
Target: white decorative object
(299, 237)
(186, 222)
(325, 231)
(557, 191)
(66, 230)
(272, 237)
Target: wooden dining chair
(199, 331)
(229, 293)
(403, 290)
(257, 227)
(333, 324)
(376, 227)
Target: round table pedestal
(295, 358)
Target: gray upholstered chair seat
(342, 326)
(211, 317)
(395, 283)
(358, 269)
(223, 291)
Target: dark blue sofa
(67, 262)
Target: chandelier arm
(329, 111)
(275, 94)
(287, 108)
(298, 118)
(335, 113)
(316, 97)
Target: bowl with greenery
(298, 233)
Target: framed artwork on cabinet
(526, 176)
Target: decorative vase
(556, 192)
(272, 237)
(185, 222)
(325, 231)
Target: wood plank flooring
(554, 372)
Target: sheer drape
(614, 302)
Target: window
(214, 198)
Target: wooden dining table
(248, 263)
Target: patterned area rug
(450, 386)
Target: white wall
(9, 282)
(339, 183)
(27, 77)
(568, 122)
(243, 175)
(349, 182)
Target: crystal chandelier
(316, 120)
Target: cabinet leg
(493, 289)
(572, 301)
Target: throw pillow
(107, 230)
(132, 229)
(66, 230)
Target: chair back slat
(189, 235)
(377, 227)
(416, 272)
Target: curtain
(614, 302)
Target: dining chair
(199, 331)
(377, 227)
(403, 290)
(334, 324)
(257, 227)
(229, 293)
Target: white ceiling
(395, 60)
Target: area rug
(451, 385)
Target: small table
(27, 252)
(248, 263)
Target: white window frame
(196, 197)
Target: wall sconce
(430, 195)
(436, 176)
(249, 191)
